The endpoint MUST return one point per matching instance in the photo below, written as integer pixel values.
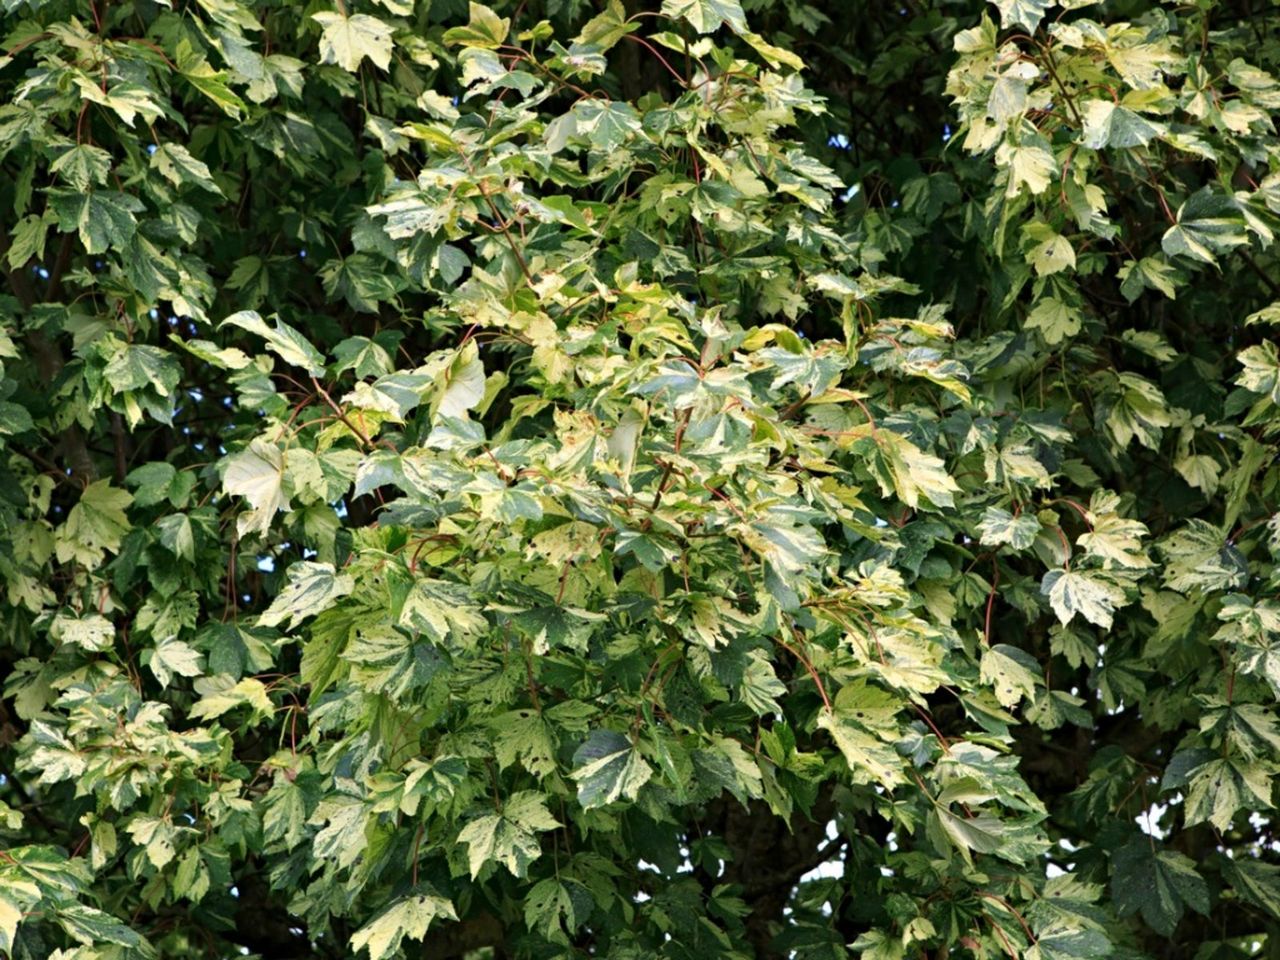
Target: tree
(710, 478)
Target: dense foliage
(714, 478)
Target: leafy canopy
(708, 478)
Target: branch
(338, 412)
(1262, 274)
(54, 290)
(48, 358)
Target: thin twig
(808, 665)
(337, 410)
(506, 232)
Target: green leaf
(1022, 13)
(982, 833)
(1070, 939)
(524, 736)
(212, 83)
(645, 390)
(1198, 556)
(609, 769)
(176, 536)
(1160, 884)
(172, 656)
(443, 611)
(554, 905)
(103, 218)
(220, 695)
(1000, 526)
(397, 8)
(137, 371)
(11, 914)
(485, 29)
(606, 125)
(83, 166)
(1208, 224)
(1083, 592)
(603, 31)
(878, 945)
(93, 632)
(1268, 314)
(366, 357)
(1140, 412)
(1261, 373)
(461, 384)
(1049, 252)
(286, 342)
(14, 419)
(178, 166)
(29, 236)
(1030, 162)
(347, 40)
(761, 686)
(140, 367)
(792, 549)
(508, 838)
(1013, 673)
(432, 784)
(257, 474)
(1008, 100)
(707, 15)
(1054, 319)
(1251, 730)
(726, 765)
(311, 589)
(96, 524)
(1108, 124)
(916, 474)
(1116, 542)
(126, 99)
(157, 835)
(1219, 788)
(411, 917)
(868, 758)
(89, 926)
(230, 358)
(773, 55)
(1151, 343)
(1256, 882)
(1149, 273)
